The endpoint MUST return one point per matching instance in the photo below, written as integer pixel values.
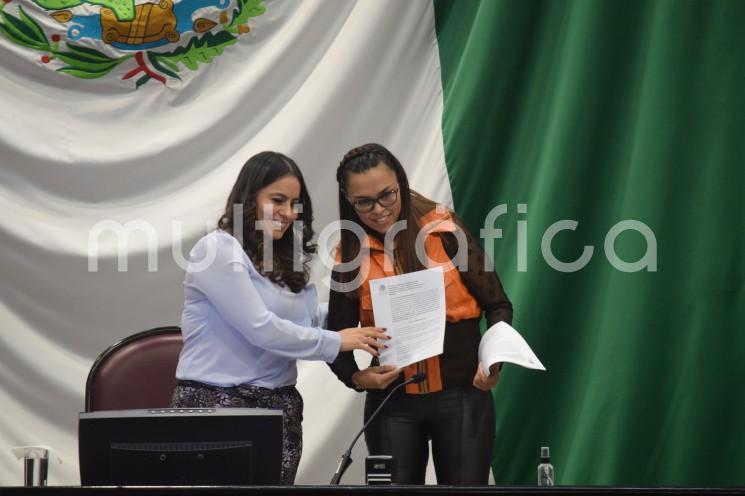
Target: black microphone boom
(346, 458)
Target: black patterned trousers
(191, 394)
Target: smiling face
(275, 205)
(377, 188)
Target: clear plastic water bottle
(545, 469)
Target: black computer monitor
(180, 446)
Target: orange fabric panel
(433, 383)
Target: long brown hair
(258, 172)
(413, 206)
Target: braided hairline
(372, 149)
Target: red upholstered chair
(137, 372)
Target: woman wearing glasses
(453, 407)
(250, 313)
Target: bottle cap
(545, 452)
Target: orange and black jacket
(468, 294)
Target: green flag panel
(626, 121)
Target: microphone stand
(346, 458)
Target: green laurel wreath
(88, 63)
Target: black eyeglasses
(385, 199)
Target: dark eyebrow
(282, 196)
(387, 188)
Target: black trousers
(458, 420)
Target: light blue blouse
(240, 328)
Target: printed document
(502, 343)
(412, 309)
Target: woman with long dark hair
(453, 407)
(249, 311)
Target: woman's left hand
(486, 382)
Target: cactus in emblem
(124, 10)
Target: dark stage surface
(363, 490)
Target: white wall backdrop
(310, 79)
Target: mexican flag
(594, 146)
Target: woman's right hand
(375, 377)
(363, 338)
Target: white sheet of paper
(502, 343)
(412, 309)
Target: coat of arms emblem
(157, 39)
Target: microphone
(346, 458)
